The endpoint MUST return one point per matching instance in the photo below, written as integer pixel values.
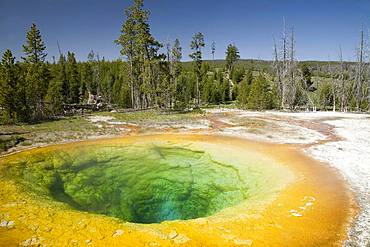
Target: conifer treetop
(34, 48)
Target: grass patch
(80, 127)
(77, 123)
(9, 141)
(152, 115)
(44, 132)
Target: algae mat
(163, 190)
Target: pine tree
(127, 42)
(244, 89)
(306, 76)
(38, 75)
(61, 77)
(140, 48)
(37, 80)
(176, 56)
(23, 108)
(86, 78)
(58, 91)
(8, 86)
(213, 50)
(225, 91)
(207, 89)
(163, 85)
(92, 82)
(54, 98)
(196, 46)
(260, 95)
(184, 90)
(216, 92)
(34, 47)
(73, 78)
(107, 85)
(232, 55)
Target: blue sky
(84, 25)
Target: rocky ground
(340, 140)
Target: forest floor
(341, 140)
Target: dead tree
(342, 84)
(169, 89)
(367, 89)
(277, 68)
(284, 64)
(333, 83)
(213, 50)
(285, 67)
(291, 79)
(360, 70)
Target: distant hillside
(317, 67)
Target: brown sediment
(317, 125)
(133, 128)
(314, 210)
(321, 127)
(216, 123)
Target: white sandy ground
(277, 129)
(288, 133)
(351, 156)
(97, 119)
(201, 124)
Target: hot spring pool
(155, 179)
(150, 181)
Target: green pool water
(146, 182)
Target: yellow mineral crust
(312, 208)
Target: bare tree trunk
(359, 72)
(198, 93)
(368, 72)
(285, 66)
(169, 87)
(368, 95)
(334, 103)
(333, 85)
(277, 65)
(341, 82)
(132, 85)
(291, 88)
